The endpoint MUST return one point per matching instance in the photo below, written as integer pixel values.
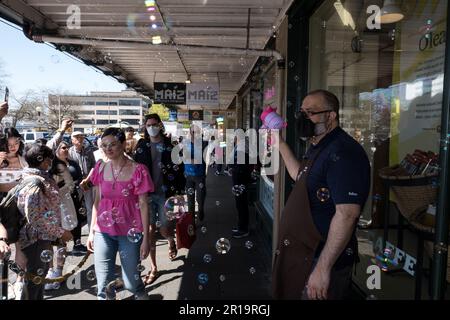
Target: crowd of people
(119, 191)
(129, 181)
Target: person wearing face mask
(316, 237)
(155, 151)
(40, 203)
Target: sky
(38, 66)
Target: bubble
(242, 61)
(90, 275)
(296, 78)
(130, 186)
(137, 205)
(217, 203)
(70, 222)
(249, 244)
(174, 207)
(207, 258)
(119, 220)
(41, 69)
(200, 287)
(140, 268)
(40, 272)
(160, 148)
(134, 235)
(203, 229)
(252, 270)
(139, 150)
(373, 149)
(136, 277)
(202, 278)
(237, 190)
(40, 158)
(323, 194)
(255, 174)
(61, 253)
(164, 171)
(46, 256)
(82, 211)
(190, 191)
(125, 192)
(55, 59)
(105, 219)
(222, 278)
(291, 64)
(158, 224)
(175, 167)
(223, 246)
(37, 280)
(161, 165)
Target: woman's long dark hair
(56, 161)
(12, 132)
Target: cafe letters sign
(170, 93)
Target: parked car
(32, 136)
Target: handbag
(185, 231)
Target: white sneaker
(18, 289)
(52, 274)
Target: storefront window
(389, 80)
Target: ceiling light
(391, 13)
(154, 26)
(156, 40)
(188, 80)
(152, 18)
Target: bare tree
(25, 108)
(59, 106)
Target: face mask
(309, 129)
(153, 132)
(306, 128)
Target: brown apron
(297, 242)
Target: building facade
(103, 109)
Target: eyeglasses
(108, 145)
(308, 114)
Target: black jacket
(177, 182)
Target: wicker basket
(410, 193)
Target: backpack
(10, 216)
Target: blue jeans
(105, 251)
(156, 207)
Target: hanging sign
(170, 93)
(203, 94)
(195, 115)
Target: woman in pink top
(119, 216)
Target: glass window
(130, 112)
(83, 121)
(106, 112)
(88, 103)
(102, 103)
(86, 112)
(389, 81)
(103, 121)
(113, 103)
(131, 121)
(126, 102)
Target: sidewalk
(229, 275)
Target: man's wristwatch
(4, 240)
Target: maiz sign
(170, 93)
(203, 94)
